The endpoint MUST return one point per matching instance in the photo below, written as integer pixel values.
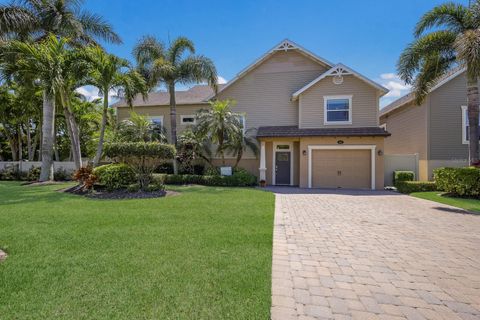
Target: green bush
(399, 176)
(33, 174)
(115, 176)
(62, 175)
(415, 186)
(463, 182)
(240, 178)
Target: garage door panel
(341, 169)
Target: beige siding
(446, 121)
(264, 94)
(364, 103)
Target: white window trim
(343, 147)
(151, 118)
(464, 125)
(183, 116)
(274, 158)
(325, 100)
(384, 126)
(244, 119)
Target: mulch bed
(101, 193)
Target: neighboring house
(317, 122)
(436, 130)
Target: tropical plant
(173, 65)
(192, 147)
(220, 125)
(453, 42)
(241, 142)
(36, 19)
(139, 128)
(108, 73)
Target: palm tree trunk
(46, 172)
(29, 141)
(73, 132)
(473, 119)
(173, 122)
(101, 139)
(20, 143)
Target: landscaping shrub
(463, 182)
(415, 186)
(85, 177)
(399, 176)
(11, 173)
(142, 157)
(115, 176)
(61, 175)
(240, 178)
(165, 168)
(33, 174)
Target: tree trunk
(29, 142)
(46, 172)
(73, 132)
(20, 143)
(173, 122)
(98, 155)
(473, 119)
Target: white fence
(403, 162)
(25, 166)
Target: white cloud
(221, 80)
(397, 87)
(91, 93)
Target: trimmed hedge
(140, 149)
(399, 176)
(415, 186)
(115, 176)
(240, 178)
(459, 181)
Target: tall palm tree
(44, 63)
(220, 125)
(454, 41)
(241, 142)
(107, 73)
(36, 20)
(175, 64)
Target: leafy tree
(175, 64)
(241, 142)
(109, 73)
(220, 125)
(453, 40)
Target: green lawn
(204, 254)
(464, 203)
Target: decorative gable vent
(285, 46)
(338, 74)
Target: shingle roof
(294, 131)
(196, 95)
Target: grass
(464, 203)
(204, 254)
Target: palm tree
(111, 73)
(241, 142)
(220, 125)
(37, 20)
(171, 66)
(454, 42)
(139, 129)
(64, 18)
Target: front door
(282, 168)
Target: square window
(188, 119)
(338, 110)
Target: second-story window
(338, 109)
(186, 120)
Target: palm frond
(411, 59)
(16, 19)
(96, 27)
(467, 46)
(147, 50)
(198, 69)
(178, 47)
(454, 17)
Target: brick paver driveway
(373, 255)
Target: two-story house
(436, 130)
(316, 122)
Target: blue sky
(367, 35)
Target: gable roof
(196, 95)
(339, 70)
(400, 102)
(284, 45)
